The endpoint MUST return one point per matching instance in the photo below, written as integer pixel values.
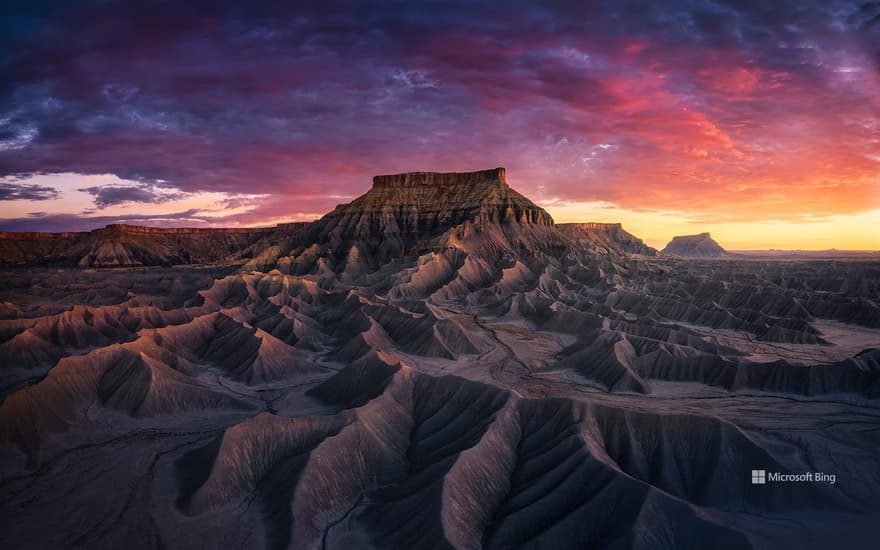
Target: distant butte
(694, 246)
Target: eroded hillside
(437, 364)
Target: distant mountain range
(121, 245)
(827, 253)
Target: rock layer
(611, 236)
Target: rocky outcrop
(694, 246)
(418, 211)
(423, 204)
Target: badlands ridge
(436, 364)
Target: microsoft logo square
(759, 477)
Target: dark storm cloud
(305, 99)
(109, 195)
(27, 192)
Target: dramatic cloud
(720, 110)
(25, 192)
(108, 195)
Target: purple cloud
(27, 192)
(109, 195)
(307, 102)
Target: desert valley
(436, 364)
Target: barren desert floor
(446, 403)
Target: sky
(756, 121)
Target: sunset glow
(760, 124)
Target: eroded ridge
(412, 373)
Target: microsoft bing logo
(759, 477)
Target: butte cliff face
(694, 246)
(407, 214)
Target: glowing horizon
(756, 123)
(221, 210)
